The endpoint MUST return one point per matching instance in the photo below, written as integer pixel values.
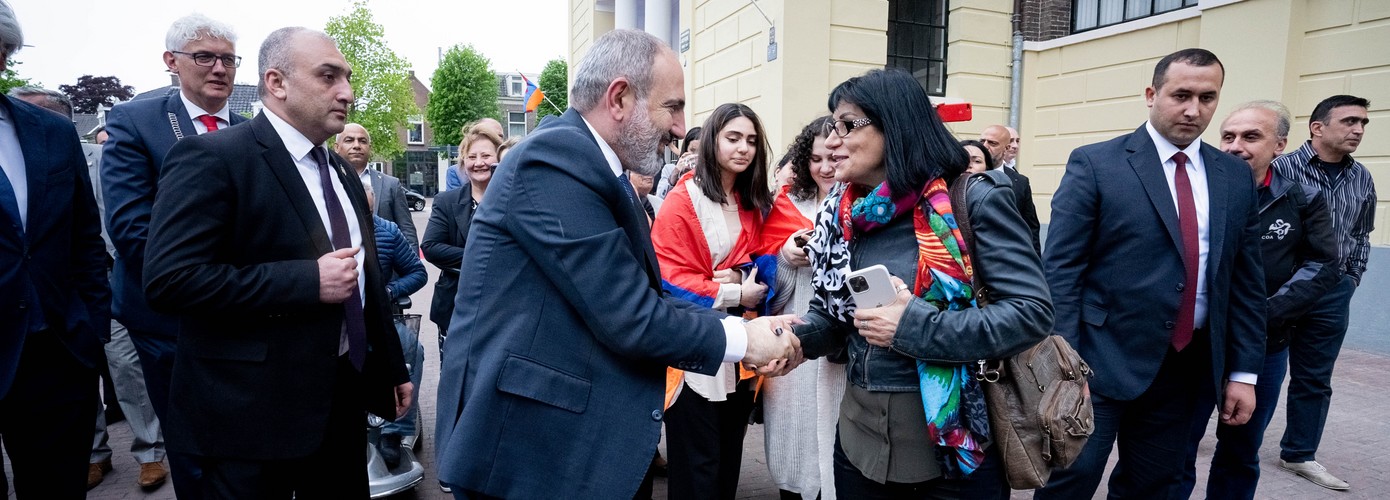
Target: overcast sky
(125, 38)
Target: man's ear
(617, 99)
(275, 83)
(169, 61)
(1315, 128)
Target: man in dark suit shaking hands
(258, 236)
(1153, 259)
(556, 357)
(54, 299)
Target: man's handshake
(773, 349)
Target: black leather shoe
(390, 450)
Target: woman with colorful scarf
(913, 421)
(706, 238)
(800, 410)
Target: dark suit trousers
(704, 443)
(52, 388)
(157, 363)
(336, 470)
(1152, 430)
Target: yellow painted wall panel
(979, 90)
(844, 70)
(1150, 43)
(1311, 92)
(1112, 116)
(861, 46)
(980, 59)
(1000, 6)
(1371, 10)
(1355, 48)
(726, 63)
(1325, 14)
(726, 33)
(1375, 86)
(726, 91)
(703, 102)
(751, 23)
(1118, 82)
(1040, 64)
(1044, 122)
(980, 26)
(750, 85)
(867, 14)
(1054, 91)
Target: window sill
(1128, 26)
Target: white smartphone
(871, 287)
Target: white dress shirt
(1201, 198)
(12, 161)
(223, 116)
(299, 147)
(736, 337)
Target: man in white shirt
(257, 240)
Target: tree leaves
(91, 92)
(554, 81)
(380, 79)
(465, 89)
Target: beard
(638, 142)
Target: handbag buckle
(987, 373)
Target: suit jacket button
(1168, 325)
(1179, 287)
(656, 415)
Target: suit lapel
(1218, 185)
(379, 188)
(278, 161)
(180, 125)
(1143, 158)
(38, 160)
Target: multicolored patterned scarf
(952, 398)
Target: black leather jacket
(1300, 254)
(1019, 315)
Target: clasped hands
(773, 349)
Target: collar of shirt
(295, 142)
(1166, 149)
(608, 154)
(224, 115)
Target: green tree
(554, 81)
(465, 89)
(10, 78)
(380, 79)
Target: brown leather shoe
(96, 472)
(152, 475)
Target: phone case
(879, 291)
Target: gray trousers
(148, 443)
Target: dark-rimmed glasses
(842, 128)
(208, 59)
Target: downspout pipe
(1016, 68)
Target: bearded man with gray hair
(564, 328)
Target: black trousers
(46, 421)
(704, 443)
(336, 470)
(987, 482)
(1152, 430)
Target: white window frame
(414, 122)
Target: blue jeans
(1235, 467)
(414, 355)
(1317, 339)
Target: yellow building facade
(1075, 89)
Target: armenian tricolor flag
(534, 96)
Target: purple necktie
(337, 221)
(1191, 254)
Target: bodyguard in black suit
(257, 240)
(1153, 258)
(54, 298)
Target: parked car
(413, 200)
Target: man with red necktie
(201, 53)
(1153, 259)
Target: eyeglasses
(209, 59)
(842, 128)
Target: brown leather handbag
(1040, 413)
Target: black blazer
(1023, 197)
(52, 272)
(233, 252)
(1114, 263)
(445, 235)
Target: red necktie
(210, 121)
(1191, 254)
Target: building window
(516, 124)
(917, 41)
(1092, 14)
(516, 86)
(415, 130)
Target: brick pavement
(1355, 447)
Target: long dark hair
(989, 160)
(916, 145)
(751, 185)
(799, 155)
(691, 135)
